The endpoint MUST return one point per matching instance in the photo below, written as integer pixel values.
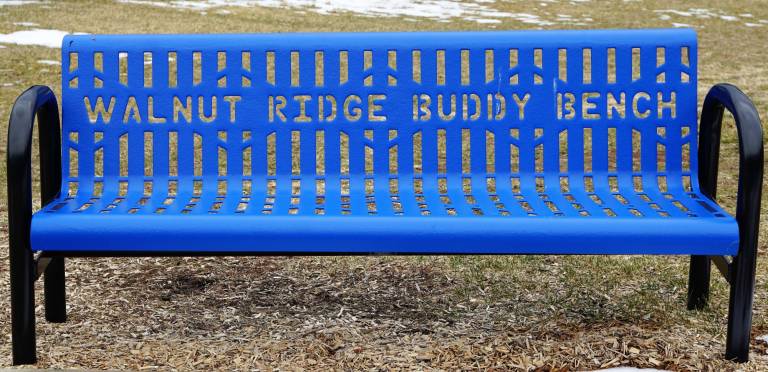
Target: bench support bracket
(41, 264)
(724, 266)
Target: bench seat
(703, 230)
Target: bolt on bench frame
(385, 143)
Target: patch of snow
(530, 19)
(673, 11)
(49, 62)
(680, 25)
(46, 38)
(480, 11)
(18, 2)
(483, 20)
(152, 3)
(700, 13)
(750, 24)
(763, 338)
(25, 24)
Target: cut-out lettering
(98, 109)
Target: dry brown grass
(568, 313)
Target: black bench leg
(742, 293)
(698, 282)
(23, 306)
(55, 292)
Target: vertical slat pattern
(524, 93)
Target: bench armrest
(41, 102)
(750, 132)
(741, 271)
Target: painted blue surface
(612, 178)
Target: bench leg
(740, 304)
(55, 292)
(23, 306)
(698, 282)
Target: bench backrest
(372, 112)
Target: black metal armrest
(37, 101)
(740, 272)
(41, 102)
(750, 132)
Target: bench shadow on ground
(420, 297)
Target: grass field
(542, 312)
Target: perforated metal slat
(133, 140)
(405, 136)
(185, 140)
(208, 138)
(234, 190)
(503, 174)
(454, 174)
(482, 203)
(382, 194)
(380, 144)
(332, 170)
(113, 184)
(159, 171)
(306, 140)
(259, 168)
(407, 174)
(474, 201)
(552, 186)
(552, 132)
(429, 150)
(528, 176)
(85, 177)
(255, 137)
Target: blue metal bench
(400, 143)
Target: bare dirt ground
(543, 312)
